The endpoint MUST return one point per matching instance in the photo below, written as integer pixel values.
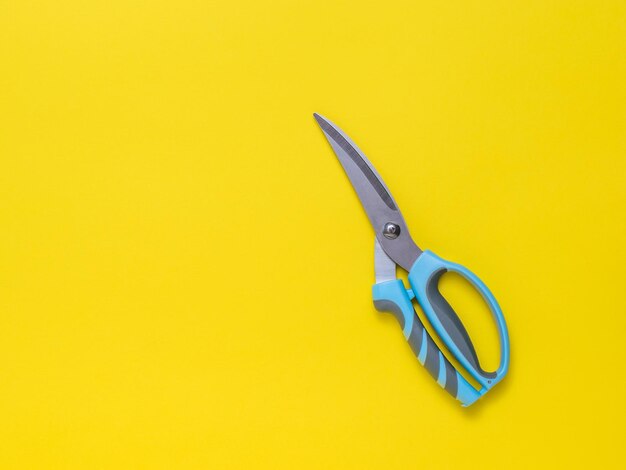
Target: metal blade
(389, 226)
(384, 267)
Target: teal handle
(392, 296)
(424, 278)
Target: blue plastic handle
(391, 296)
(424, 278)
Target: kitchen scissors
(394, 246)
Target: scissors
(394, 246)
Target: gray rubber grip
(416, 337)
(453, 325)
(433, 357)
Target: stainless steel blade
(384, 267)
(389, 226)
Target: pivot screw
(391, 230)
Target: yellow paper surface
(185, 271)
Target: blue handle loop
(391, 296)
(424, 277)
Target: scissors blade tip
(320, 119)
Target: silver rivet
(391, 230)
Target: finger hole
(476, 317)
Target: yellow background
(185, 271)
